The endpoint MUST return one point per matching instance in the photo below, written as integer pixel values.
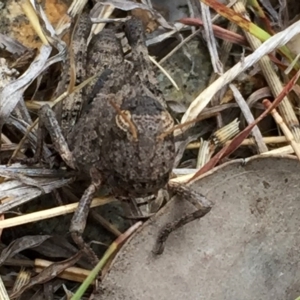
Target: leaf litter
(207, 130)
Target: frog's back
(105, 57)
(122, 131)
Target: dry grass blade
(15, 192)
(183, 42)
(3, 292)
(165, 35)
(19, 146)
(76, 7)
(20, 194)
(249, 142)
(267, 140)
(227, 132)
(23, 279)
(280, 151)
(272, 78)
(225, 34)
(204, 154)
(107, 225)
(72, 273)
(219, 138)
(224, 54)
(205, 97)
(13, 92)
(249, 118)
(247, 25)
(284, 128)
(32, 16)
(49, 213)
(104, 13)
(227, 150)
(211, 42)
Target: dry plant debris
(254, 58)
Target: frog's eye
(123, 119)
(167, 121)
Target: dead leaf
(11, 45)
(176, 106)
(49, 273)
(12, 93)
(23, 243)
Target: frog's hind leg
(202, 204)
(49, 123)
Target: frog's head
(141, 152)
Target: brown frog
(116, 130)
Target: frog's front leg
(48, 123)
(202, 204)
(79, 218)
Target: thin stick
(284, 128)
(180, 126)
(19, 146)
(248, 142)
(279, 151)
(164, 72)
(72, 273)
